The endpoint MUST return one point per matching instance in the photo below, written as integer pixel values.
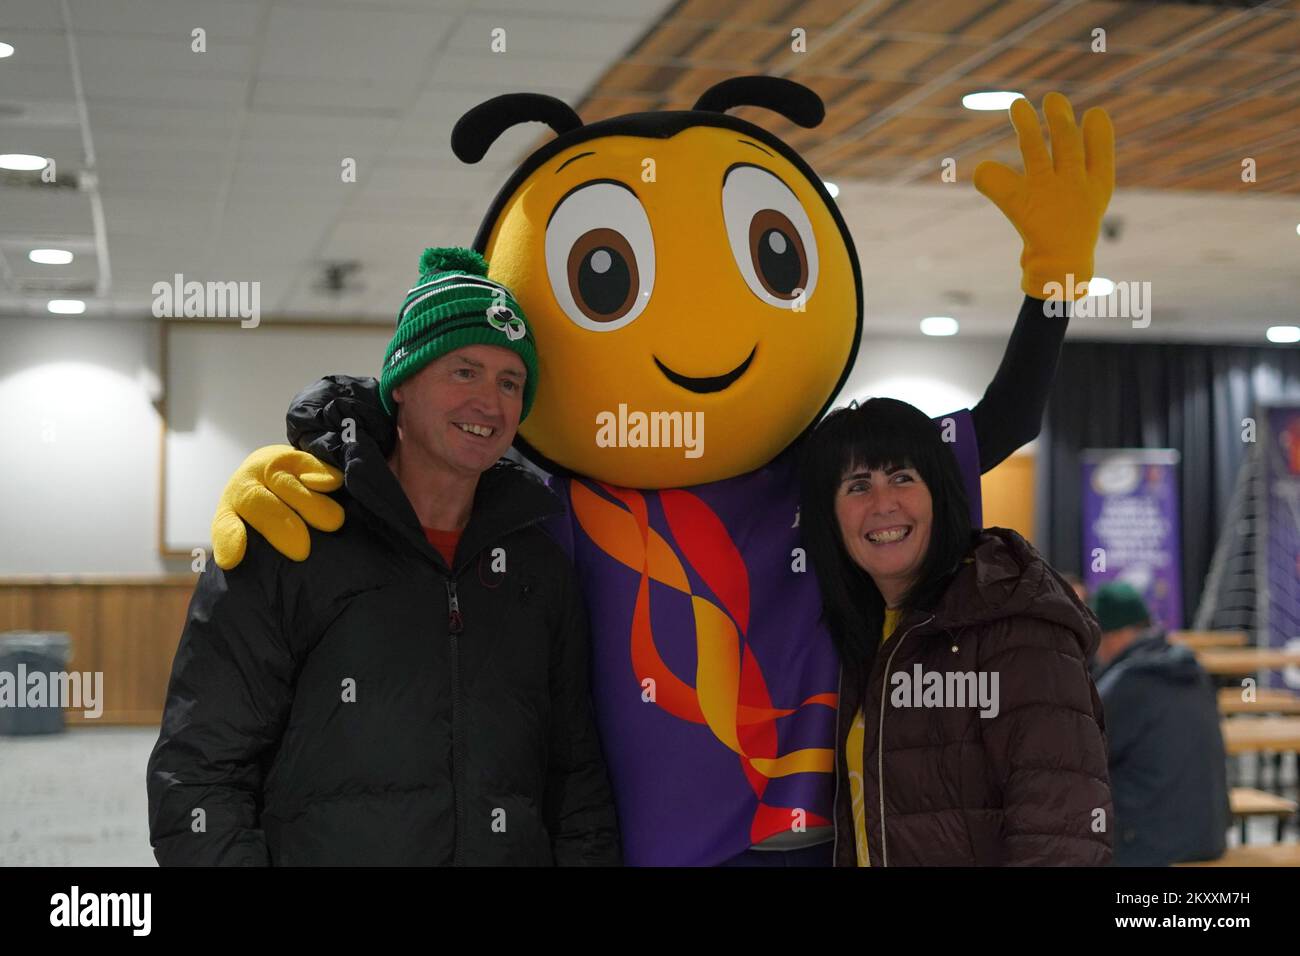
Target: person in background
(415, 692)
(1168, 770)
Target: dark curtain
(1191, 397)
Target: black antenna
(792, 100)
(479, 128)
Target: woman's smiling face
(885, 516)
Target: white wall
(79, 482)
(937, 375)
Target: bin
(23, 653)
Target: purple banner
(1130, 526)
(1278, 581)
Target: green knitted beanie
(1118, 604)
(451, 305)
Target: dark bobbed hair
(881, 433)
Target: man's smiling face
(461, 411)
(700, 273)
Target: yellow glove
(274, 490)
(1057, 204)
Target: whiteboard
(226, 392)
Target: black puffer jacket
(944, 786)
(337, 712)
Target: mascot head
(674, 262)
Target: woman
(969, 730)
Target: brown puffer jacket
(1026, 786)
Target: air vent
(31, 179)
(337, 279)
(51, 286)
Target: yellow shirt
(853, 756)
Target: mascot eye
(771, 236)
(600, 256)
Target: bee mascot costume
(689, 263)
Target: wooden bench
(1249, 802)
(1268, 700)
(1238, 661)
(1276, 734)
(1197, 640)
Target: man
(416, 692)
(1168, 770)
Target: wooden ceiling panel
(748, 44)
(1191, 87)
(842, 51)
(1075, 25)
(672, 38)
(1153, 26)
(987, 19)
(1267, 31)
(1197, 71)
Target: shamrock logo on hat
(503, 319)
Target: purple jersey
(714, 681)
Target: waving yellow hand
(276, 490)
(1057, 204)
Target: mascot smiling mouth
(712, 383)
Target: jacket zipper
(455, 628)
(835, 800)
(880, 743)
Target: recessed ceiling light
(990, 100)
(1283, 333)
(50, 257)
(21, 161)
(6, 50)
(939, 325)
(1297, 228)
(832, 189)
(1100, 285)
(66, 306)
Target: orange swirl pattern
(730, 694)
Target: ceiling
(226, 164)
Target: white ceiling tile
(352, 43)
(35, 81)
(30, 15)
(151, 90)
(536, 34)
(109, 55)
(45, 210)
(227, 21)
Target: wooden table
(1245, 660)
(1267, 700)
(1249, 802)
(1199, 640)
(1274, 854)
(1247, 734)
